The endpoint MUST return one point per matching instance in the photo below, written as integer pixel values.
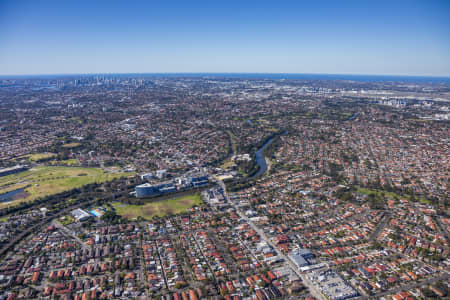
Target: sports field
(43, 181)
(158, 208)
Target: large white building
(80, 215)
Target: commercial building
(182, 184)
(160, 174)
(300, 257)
(80, 215)
(332, 285)
(199, 181)
(146, 189)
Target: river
(261, 160)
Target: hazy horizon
(231, 74)
(218, 73)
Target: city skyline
(403, 38)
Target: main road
(40, 224)
(312, 288)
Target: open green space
(71, 145)
(4, 218)
(66, 220)
(380, 193)
(65, 162)
(43, 181)
(40, 156)
(158, 208)
(229, 163)
(365, 191)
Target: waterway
(261, 160)
(9, 196)
(352, 117)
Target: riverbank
(261, 160)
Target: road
(312, 288)
(35, 227)
(69, 233)
(407, 287)
(441, 228)
(205, 258)
(161, 264)
(381, 225)
(144, 279)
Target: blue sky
(346, 37)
